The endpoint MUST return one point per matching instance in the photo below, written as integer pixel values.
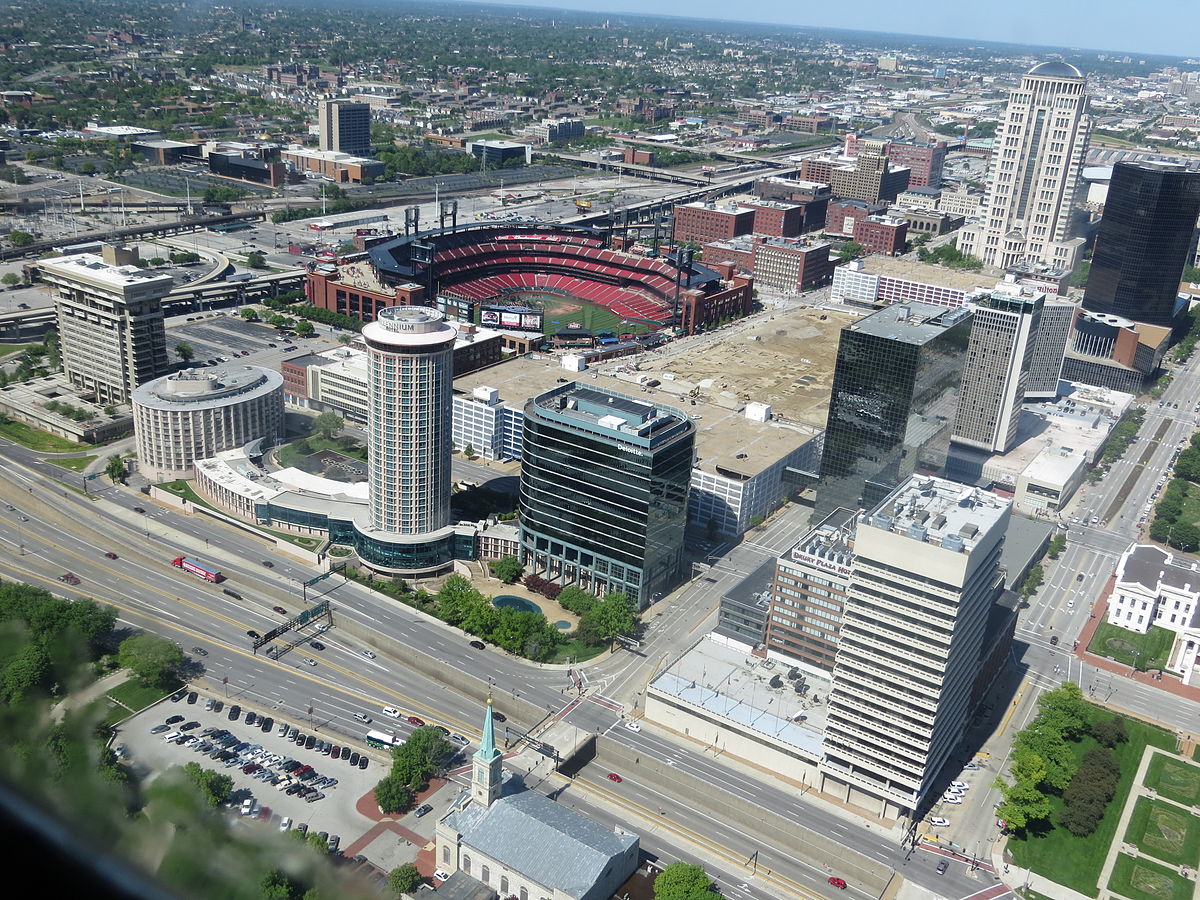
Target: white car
(972, 766)
(953, 799)
(286, 823)
(633, 726)
(367, 653)
(938, 822)
(440, 875)
(309, 661)
(391, 712)
(366, 720)
(961, 785)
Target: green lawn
(1196, 753)
(74, 463)
(1174, 779)
(181, 488)
(136, 695)
(289, 454)
(42, 441)
(7, 350)
(1150, 650)
(1076, 861)
(1165, 831)
(573, 650)
(1142, 879)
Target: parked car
(173, 719)
(938, 822)
(235, 713)
(363, 762)
(423, 810)
(478, 645)
(633, 726)
(192, 697)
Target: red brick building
(881, 234)
(791, 266)
(777, 219)
(324, 290)
(699, 223)
(844, 215)
(637, 157)
(925, 161)
(699, 311)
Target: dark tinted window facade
(1145, 236)
(895, 394)
(600, 512)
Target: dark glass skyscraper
(604, 490)
(1145, 236)
(895, 395)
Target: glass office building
(604, 491)
(895, 396)
(1144, 242)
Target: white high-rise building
(924, 578)
(408, 419)
(1035, 169)
(996, 370)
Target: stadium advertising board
(521, 318)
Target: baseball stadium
(537, 277)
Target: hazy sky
(1147, 26)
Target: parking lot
(229, 338)
(269, 774)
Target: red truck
(208, 573)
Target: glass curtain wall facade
(604, 491)
(1144, 242)
(895, 396)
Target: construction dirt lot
(784, 359)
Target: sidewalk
(93, 691)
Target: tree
(318, 843)
(577, 600)
(184, 351)
(684, 881)
(305, 328)
(10, 279)
(20, 238)
(1058, 544)
(1022, 806)
(614, 615)
(469, 452)
(327, 425)
(507, 568)
(151, 658)
(215, 786)
(250, 315)
(114, 468)
(392, 795)
(404, 879)
(851, 250)
(1110, 732)
(276, 886)
(255, 260)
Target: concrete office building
(1145, 238)
(895, 392)
(604, 491)
(924, 580)
(198, 413)
(994, 376)
(1034, 173)
(345, 127)
(110, 321)
(791, 266)
(1050, 342)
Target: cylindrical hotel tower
(411, 376)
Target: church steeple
(487, 763)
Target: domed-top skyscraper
(1035, 169)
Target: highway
(59, 534)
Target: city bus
(381, 741)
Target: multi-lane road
(55, 529)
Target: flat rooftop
(936, 511)
(732, 685)
(911, 270)
(727, 443)
(910, 323)
(91, 267)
